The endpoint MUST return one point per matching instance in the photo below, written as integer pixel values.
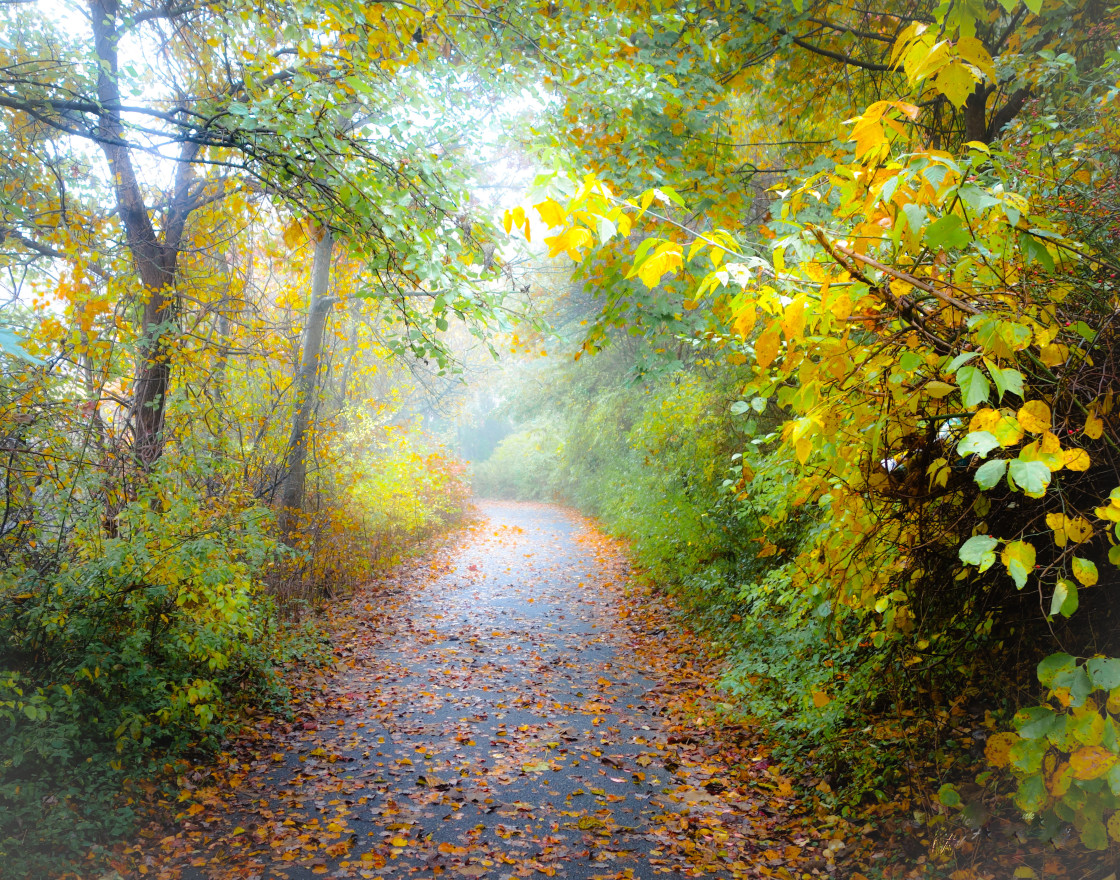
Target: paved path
(496, 715)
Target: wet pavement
(492, 716)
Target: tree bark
(292, 492)
(156, 259)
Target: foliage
(927, 302)
(123, 649)
(156, 222)
(524, 465)
(403, 487)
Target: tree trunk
(291, 495)
(156, 260)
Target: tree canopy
(838, 282)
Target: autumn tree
(914, 298)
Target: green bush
(524, 466)
(120, 652)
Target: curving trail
(503, 709)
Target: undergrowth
(131, 645)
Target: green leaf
(1034, 6)
(991, 472)
(960, 360)
(1027, 754)
(1064, 601)
(1114, 780)
(1037, 722)
(975, 386)
(1104, 672)
(949, 231)
(1094, 836)
(1031, 476)
(1034, 251)
(1052, 666)
(672, 195)
(948, 795)
(978, 443)
(1031, 796)
(1006, 379)
(979, 550)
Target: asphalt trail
(490, 719)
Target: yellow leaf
(1077, 529)
(551, 212)
(821, 699)
(1113, 826)
(766, 347)
(1091, 762)
(793, 319)
(1085, 571)
(1018, 557)
(956, 82)
(1056, 522)
(998, 748)
(744, 319)
(1034, 416)
(1003, 426)
(662, 262)
(841, 306)
(972, 50)
(803, 446)
(984, 420)
(294, 235)
(1054, 355)
(572, 241)
(1094, 425)
(1076, 459)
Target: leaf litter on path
(510, 707)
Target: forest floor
(513, 705)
